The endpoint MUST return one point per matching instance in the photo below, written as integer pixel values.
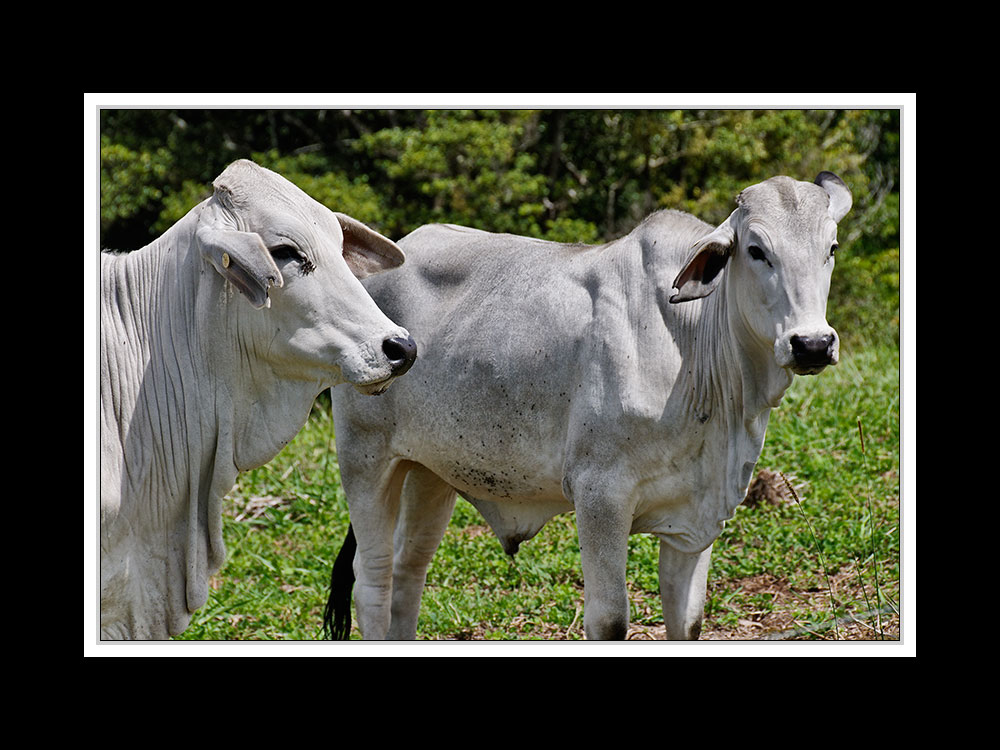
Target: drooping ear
(702, 272)
(241, 257)
(365, 250)
(840, 194)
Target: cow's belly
(493, 464)
(496, 430)
(510, 474)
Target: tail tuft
(337, 614)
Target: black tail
(337, 615)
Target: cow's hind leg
(683, 580)
(426, 506)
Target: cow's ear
(840, 194)
(365, 250)
(702, 272)
(241, 257)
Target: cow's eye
(285, 252)
(833, 249)
(282, 253)
(757, 254)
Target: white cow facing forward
(629, 382)
(199, 382)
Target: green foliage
(336, 190)
(461, 167)
(566, 175)
(131, 182)
(865, 297)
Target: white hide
(629, 382)
(215, 340)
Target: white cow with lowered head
(629, 382)
(216, 339)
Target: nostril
(400, 352)
(812, 348)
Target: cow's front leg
(426, 506)
(603, 529)
(683, 580)
(374, 509)
(373, 590)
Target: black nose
(401, 353)
(813, 351)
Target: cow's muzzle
(810, 354)
(400, 353)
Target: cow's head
(778, 248)
(286, 252)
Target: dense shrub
(567, 175)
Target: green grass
(831, 552)
(847, 514)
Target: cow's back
(481, 300)
(450, 268)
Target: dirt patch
(772, 488)
(797, 615)
(791, 615)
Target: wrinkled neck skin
(180, 407)
(726, 386)
(729, 359)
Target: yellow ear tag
(225, 260)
